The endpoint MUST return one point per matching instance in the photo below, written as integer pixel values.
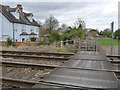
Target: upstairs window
(23, 28)
(32, 29)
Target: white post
(61, 45)
(67, 42)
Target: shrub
(64, 37)
(10, 42)
(54, 37)
(33, 39)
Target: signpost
(112, 27)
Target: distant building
(91, 35)
(103, 36)
(17, 25)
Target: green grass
(65, 51)
(107, 41)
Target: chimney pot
(19, 5)
(20, 8)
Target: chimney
(19, 5)
(20, 8)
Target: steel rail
(38, 57)
(27, 83)
(56, 66)
(39, 53)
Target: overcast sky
(97, 15)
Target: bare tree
(79, 23)
(64, 27)
(51, 24)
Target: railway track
(53, 66)
(33, 57)
(45, 58)
(18, 82)
(29, 83)
(43, 55)
(36, 53)
(23, 74)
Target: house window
(23, 28)
(32, 29)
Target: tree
(51, 24)
(64, 27)
(117, 34)
(79, 23)
(107, 32)
(54, 37)
(78, 31)
(94, 30)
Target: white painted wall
(27, 30)
(7, 28)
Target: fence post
(96, 44)
(67, 42)
(79, 43)
(74, 44)
(61, 45)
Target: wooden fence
(83, 45)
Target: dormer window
(17, 13)
(31, 19)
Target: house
(17, 24)
(103, 36)
(92, 34)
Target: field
(107, 42)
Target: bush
(64, 37)
(33, 39)
(10, 42)
(83, 37)
(54, 37)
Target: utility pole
(112, 28)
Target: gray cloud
(96, 14)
